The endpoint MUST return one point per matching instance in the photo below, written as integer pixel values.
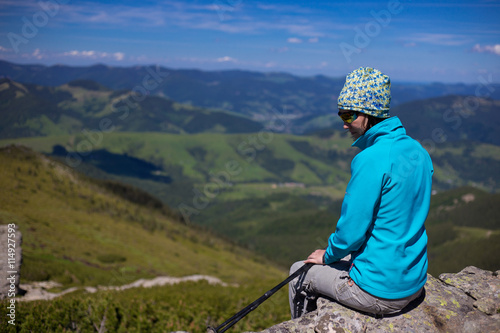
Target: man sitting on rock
(376, 260)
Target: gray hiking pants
(333, 281)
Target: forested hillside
(309, 101)
(85, 106)
(451, 118)
(80, 231)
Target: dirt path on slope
(39, 290)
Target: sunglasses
(348, 117)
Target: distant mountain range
(450, 119)
(82, 105)
(32, 110)
(253, 94)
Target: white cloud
(267, 7)
(89, 54)
(294, 40)
(92, 54)
(112, 15)
(36, 54)
(303, 29)
(226, 59)
(189, 16)
(281, 8)
(438, 39)
(495, 49)
(119, 56)
(280, 49)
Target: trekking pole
(252, 306)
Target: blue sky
(422, 41)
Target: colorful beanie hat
(366, 90)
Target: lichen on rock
(467, 301)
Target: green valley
(265, 195)
(71, 224)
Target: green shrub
(187, 306)
(440, 233)
(110, 258)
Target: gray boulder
(10, 260)
(467, 301)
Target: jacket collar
(390, 127)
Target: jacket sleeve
(359, 207)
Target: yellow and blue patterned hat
(366, 90)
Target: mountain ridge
(33, 110)
(253, 94)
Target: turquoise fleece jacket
(383, 213)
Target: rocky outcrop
(10, 260)
(468, 301)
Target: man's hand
(316, 257)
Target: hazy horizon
(446, 41)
